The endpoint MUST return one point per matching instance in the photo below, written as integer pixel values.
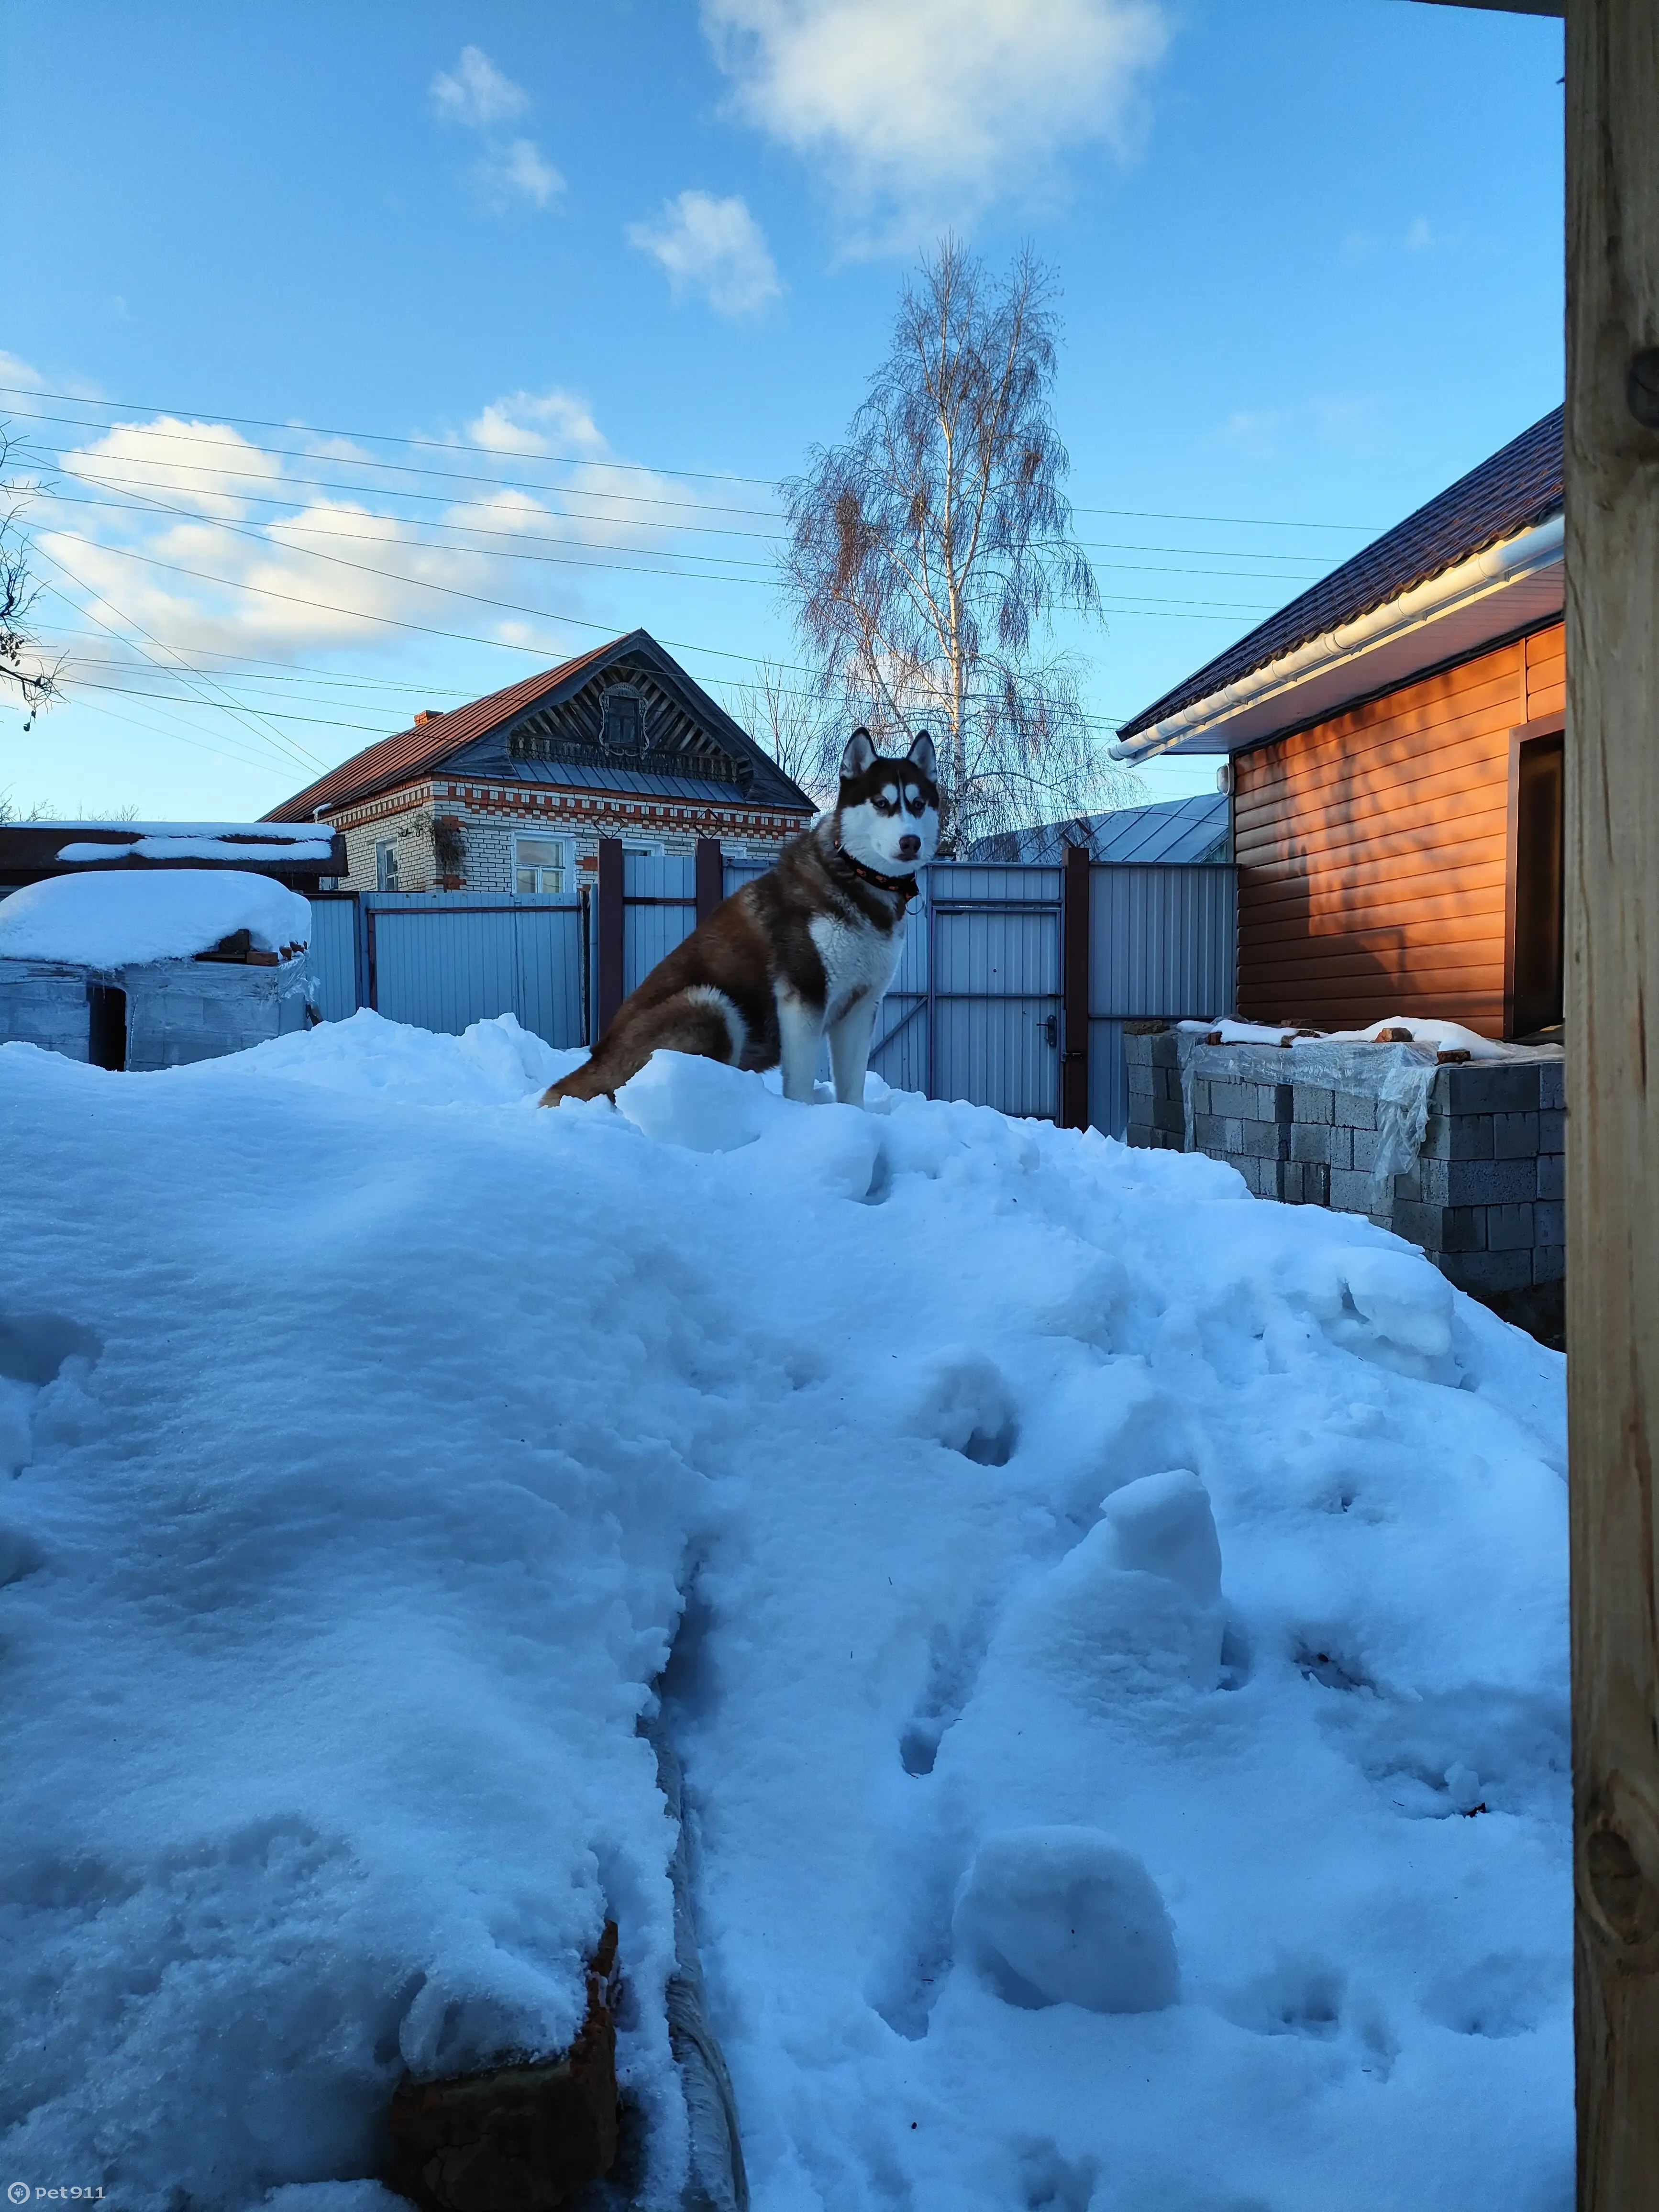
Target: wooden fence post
(709, 877)
(1074, 990)
(612, 922)
(1613, 1082)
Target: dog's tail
(702, 1021)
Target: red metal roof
(414, 753)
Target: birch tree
(23, 674)
(927, 554)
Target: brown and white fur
(802, 952)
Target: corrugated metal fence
(978, 1009)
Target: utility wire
(558, 460)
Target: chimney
(423, 715)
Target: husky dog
(802, 952)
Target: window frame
(387, 870)
(566, 863)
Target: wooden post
(612, 922)
(1613, 1082)
(709, 878)
(1074, 990)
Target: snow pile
(110, 920)
(1118, 1650)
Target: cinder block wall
(1303, 1126)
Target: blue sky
(1310, 251)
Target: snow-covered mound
(110, 920)
(1117, 1629)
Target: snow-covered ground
(1120, 1671)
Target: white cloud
(712, 247)
(520, 170)
(538, 422)
(479, 97)
(476, 94)
(197, 514)
(925, 112)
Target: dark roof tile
(1519, 486)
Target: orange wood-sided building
(1395, 761)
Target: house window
(621, 724)
(386, 864)
(1537, 939)
(539, 863)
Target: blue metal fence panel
(1162, 944)
(994, 985)
(334, 955)
(444, 960)
(660, 910)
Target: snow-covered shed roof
(1173, 830)
(106, 920)
(1479, 562)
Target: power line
(515, 549)
(556, 460)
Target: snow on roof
(108, 920)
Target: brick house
(513, 792)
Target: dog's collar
(901, 887)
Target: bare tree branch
(928, 553)
(20, 663)
(796, 720)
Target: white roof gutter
(1450, 592)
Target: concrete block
(1311, 1103)
(1458, 1137)
(1140, 1077)
(1210, 1134)
(1552, 1130)
(1510, 1229)
(1167, 1114)
(1312, 1140)
(1351, 1191)
(1141, 1136)
(1478, 1182)
(1549, 1223)
(1485, 1272)
(1199, 1088)
(1552, 1174)
(1549, 1263)
(1462, 1228)
(1266, 1140)
(1355, 1110)
(1423, 1225)
(1234, 1098)
(1495, 1087)
(1514, 1136)
(1163, 1050)
(1363, 1147)
(1289, 1183)
(1316, 1184)
(1551, 1084)
(1277, 1103)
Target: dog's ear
(858, 756)
(921, 752)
